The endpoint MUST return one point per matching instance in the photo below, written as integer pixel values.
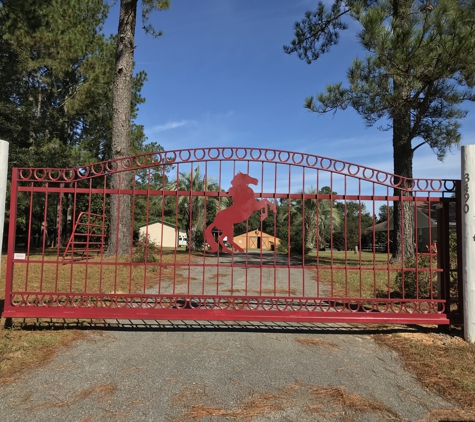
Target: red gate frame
(28, 302)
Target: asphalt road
(205, 371)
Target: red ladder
(87, 237)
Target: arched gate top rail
(180, 156)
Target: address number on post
(466, 195)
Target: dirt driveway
(205, 371)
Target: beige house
(164, 234)
(256, 239)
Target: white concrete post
(468, 240)
(3, 191)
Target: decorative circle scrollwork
(258, 156)
(283, 160)
(241, 153)
(226, 155)
(267, 153)
(40, 174)
(336, 164)
(199, 151)
(232, 153)
(323, 165)
(296, 160)
(214, 153)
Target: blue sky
(219, 77)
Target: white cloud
(170, 126)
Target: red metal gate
(229, 234)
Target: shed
(255, 239)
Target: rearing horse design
(244, 204)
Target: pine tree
(121, 217)
(56, 83)
(419, 69)
(56, 75)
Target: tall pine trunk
(120, 229)
(403, 237)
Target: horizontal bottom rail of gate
(230, 308)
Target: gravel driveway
(251, 274)
(219, 371)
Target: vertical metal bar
(30, 218)
(416, 255)
(232, 255)
(60, 230)
(117, 231)
(205, 203)
(317, 215)
(164, 199)
(401, 218)
(247, 243)
(131, 251)
(332, 274)
(304, 234)
(71, 267)
(345, 224)
(275, 231)
(45, 220)
(261, 233)
(88, 236)
(373, 240)
(147, 225)
(103, 230)
(289, 233)
(389, 248)
(446, 255)
(188, 243)
(460, 257)
(219, 199)
(430, 245)
(443, 246)
(360, 234)
(11, 240)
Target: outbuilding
(426, 225)
(163, 234)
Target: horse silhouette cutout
(244, 204)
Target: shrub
(417, 284)
(453, 264)
(298, 244)
(422, 289)
(145, 251)
(281, 248)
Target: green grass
(353, 275)
(87, 276)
